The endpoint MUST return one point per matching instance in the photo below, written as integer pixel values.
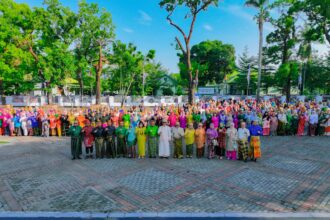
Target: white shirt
(243, 134)
(313, 119)
(177, 132)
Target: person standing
(177, 134)
(221, 148)
(231, 142)
(75, 132)
(211, 135)
(140, 132)
(200, 140)
(165, 137)
(266, 125)
(301, 124)
(189, 136)
(273, 124)
(255, 132)
(121, 133)
(98, 133)
(131, 141)
(152, 133)
(243, 136)
(88, 138)
(109, 133)
(313, 120)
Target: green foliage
(241, 83)
(212, 59)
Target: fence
(115, 101)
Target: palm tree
(262, 6)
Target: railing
(115, 101)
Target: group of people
(226, 128)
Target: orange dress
(200, 137)
(81, 120)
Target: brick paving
(292, 176)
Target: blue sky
(143, 23)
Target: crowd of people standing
(228, 129)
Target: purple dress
(183, 121)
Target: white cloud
(208, 27)
(145, 18)
(128, 30)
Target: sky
(144, 23)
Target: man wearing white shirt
(313, 120)
(165, 137)
(243, 136)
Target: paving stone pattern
(293, 175)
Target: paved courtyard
(36, 174)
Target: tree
(194, 7)
(246, 63)
(126, 70)
(282, 40)
(212, 60)
(96, 32)
(262, 6)
(15, 62)
(318, 14)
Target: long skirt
(121, 147)
(200, 152)
(210, 150)
(189, 150)
(178, 148)
(99, 147)
(152, 147)
(243, 150)
(255, 151)
(265, 131)
(131, 149)
(231, 155)
(281, 128)
(75, 147)
(110, 147)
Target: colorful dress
(255, 132)
(152, 132)
(189, 136)
(200, 141)
(141, 140)
(231, 143)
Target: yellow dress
(189, 118)
(141, 140)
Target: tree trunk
(191, 87)
(49, 94)
(98, 77)
(260, 55)
(80, 81)
(288, 86)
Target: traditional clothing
(177, 134)
(221, 148)
(200, 141)
(255, 132)
(211, 135)
(231, 143)
(141, 140)
(189, 136)
(75, 132)
(164, 141)
(88, 139)
(121, 133)
(152, 132)
(243, 150)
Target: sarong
(255, 147)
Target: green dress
(75, 132)
(127, 120)
(152, 132)
(121, 133)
